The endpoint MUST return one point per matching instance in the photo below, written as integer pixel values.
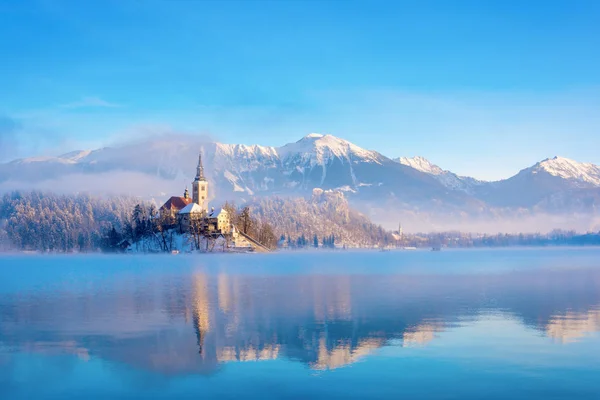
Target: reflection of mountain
(192, 323)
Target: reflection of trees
(323, 321)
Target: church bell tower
(200, 186)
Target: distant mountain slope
(446, 178)
(421, 164)
(542, 185)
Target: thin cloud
(91, 102)
(9, 128)
(20, 137)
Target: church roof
(176, 203)
(191, 208)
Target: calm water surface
(501, 324)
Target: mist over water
(507, 222)
(454, 324)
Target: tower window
(203, 188)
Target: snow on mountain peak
(240, 157)
(569, 169)
(318, 149)
(72, 157)
(313, 135)
(75, 155)
(421, 164)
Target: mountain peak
(320, 149)
(566, 168)
(313, 136)
(558, 159)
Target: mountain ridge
(417, 162)
(447, 178)
(368, 178)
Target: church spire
(200, 171)
(200, 186)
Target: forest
(48, 222)
(326, 217)
(60, 223)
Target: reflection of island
(569, 327)
(421, 335)
(194, 323)
(344, 354)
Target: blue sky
(482, 88)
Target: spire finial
(200, 171)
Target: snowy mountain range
(163, 166)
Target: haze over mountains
(554, 193)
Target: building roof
(176, 203)
(191, 208)
(217, 212)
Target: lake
(464, 324)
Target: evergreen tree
(50, 222)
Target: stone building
(210, 222)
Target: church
(194, 211)
(192, 215)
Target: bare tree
(196, 229)
(164, 233)
(246, 221)
(266, 236)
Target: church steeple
(200, 186)
(200, 169)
